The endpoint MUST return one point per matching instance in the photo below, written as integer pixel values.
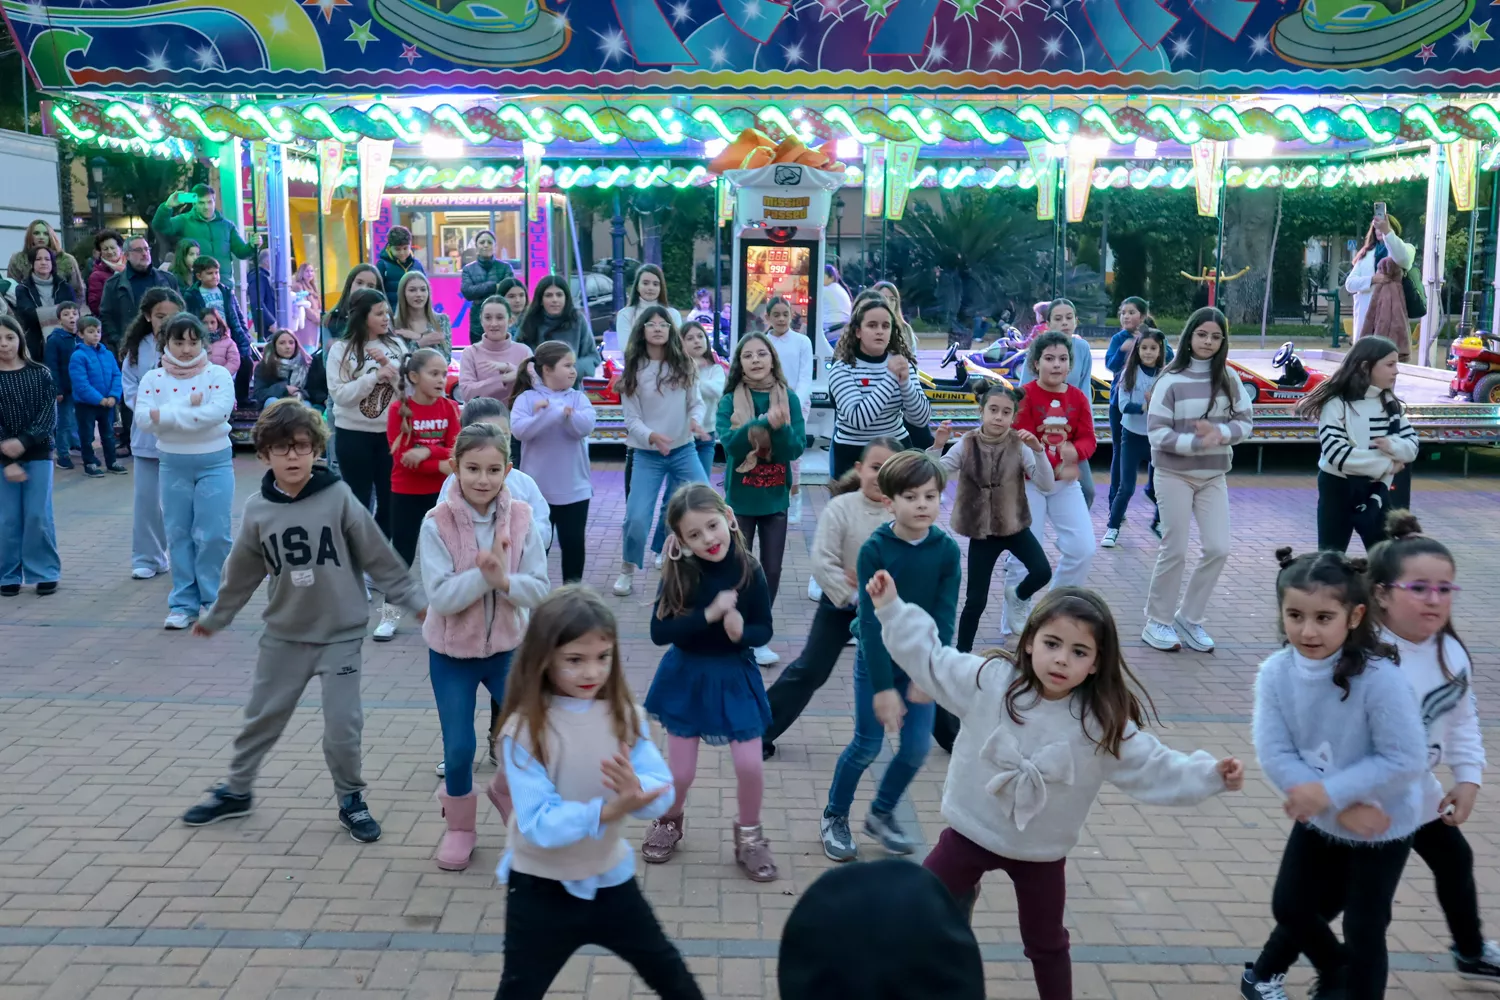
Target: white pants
(1064, 508)
(1183, 500)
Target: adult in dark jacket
(37, 298)
(552, 316)
(481, 279)
(261, 299)
(394, 261)
(217, 236)
(121, 300)
(109, 260)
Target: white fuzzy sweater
(1024, 791)
(180, 427)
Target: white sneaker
(442, 769)
(178, 620)
(814, 592)
(624, 584)
(390, 617)
(1111, 538)
(1016, 612)
(794, 510)
(142, 573)
(658, 558)
(765, 656)
(1160, 635)
(1195, 636)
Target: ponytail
(527, 375)
(410, 366)
(547, 355)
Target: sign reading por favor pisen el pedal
(266, 47)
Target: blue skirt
(718, 699)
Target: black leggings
(845, 455)
(983, 554)
(545, 925)
(1319, 877)
(795, 687)
(365, 464)
(570, 520)
(1336, 523)
(772, 530)
(1450, 859)
(407, 512)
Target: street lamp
(96, 190)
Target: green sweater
(767, 488)
(926, 574)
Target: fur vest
(991, 492)
(492, 625)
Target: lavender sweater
(557, 451)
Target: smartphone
(1380, 210)
(186, 198)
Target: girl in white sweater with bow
(1025, 769)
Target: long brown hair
(529, 375)
(1133, 363)
(849, 339)
(635, 285)
(680, 574)
(1219, 377)
(412, 364)
(356, 327)
(140, 327)
(1110, 699)
(565, 615)
(405, 314)
(737, 371)
(1352, 379)
(677, 370)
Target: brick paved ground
(110, 727)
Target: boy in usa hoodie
(306, 532)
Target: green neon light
(123, 113)
(967, 115)
(1228, 116)
(450, 117)
(708, 116)
(1355, 114)
(1163, 116)
(81, 133)
(379, 112)
(1422, 115)
(645, 117)
(1096, 114)
(1032, 115)
(904, 116)
(191, 115)
(579, 116)
(256, 116)
(844, 120)
(777, 117)
(1293, 116)
(1485, 114)
(319, 114)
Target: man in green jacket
(217, 237)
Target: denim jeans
(102, 419)
(1134, 449)
(652, 469)
(28, 537)
(197, 497)
(66, 437)
(869, 736)
(148, 535)
(455, 686)
(705, 451)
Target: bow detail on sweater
(1020, 782)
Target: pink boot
(458, 843)
(499, 794)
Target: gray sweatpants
(282, 673)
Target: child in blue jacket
(95, 375)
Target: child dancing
(714, 609)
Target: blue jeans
(197, 497)
(28, 537)
(455, 685)
(1116, 447)
(1133, 449)
(652, 469)
(148, 535)
(66, 437)
(869, 736)
(706, 456)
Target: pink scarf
(185, 369)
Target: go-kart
(960, 386)
(1295, 381)
(1476, 368)
(1004, 357)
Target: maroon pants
(1041, 893)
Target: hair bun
(1401, 524)
(1360, 564)
(1284, 556)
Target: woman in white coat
(1383, 240)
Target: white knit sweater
(1024, 791)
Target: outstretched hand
(1233, 773)
(881, 588)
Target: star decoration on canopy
(611, 44)
(1427, 53)
(1478, 33)
(409, 53)
(681, 12)
(967, 8)
(1259, 45)
(829, 8)
(876, 8)
(325, 7)
(998, 49)
(361, 35)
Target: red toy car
(1297, 381)
(1476, 366)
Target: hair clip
(672, 548)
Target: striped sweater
(1178, 401)
(1347, 432)
(869, 403)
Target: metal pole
(883, 275)
(1492, 248)
(359, 203)
(322, 283)
(25, 98)
(617, 263)
(718, 263)
(864, 241)
(1213, 286)
(1061, 214)
(1466, 317)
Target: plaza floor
(111, 727)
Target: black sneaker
(1486, 966)
(46, 589)
(93, 472)
(64, 462)
(1156, 527)
(221, 805)
(767, 751)
(355, 816)
(1328, 986)
(1262, 989)
(10, 590)
(118, 469)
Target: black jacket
(35, 317)
(119, 304)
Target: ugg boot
(498, 792)
(458, 842)
(753, 852)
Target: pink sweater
(477, 375)
(464, 635)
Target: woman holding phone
(1382, 240)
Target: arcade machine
(780, 222)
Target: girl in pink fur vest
(221, 347)
(484, 562)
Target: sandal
(753, 853)
(662, 840)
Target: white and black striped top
(869, 403)
(1347, 432)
